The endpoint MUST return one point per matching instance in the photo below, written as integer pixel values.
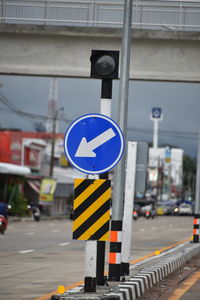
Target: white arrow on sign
(85, 149)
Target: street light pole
(119, 173)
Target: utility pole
(53, 138)
(53, 135)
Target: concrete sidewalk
(143, 276)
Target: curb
(147, 277)
(136, 285)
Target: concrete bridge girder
(65, 51)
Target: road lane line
(142, 229)
(30, 233)
(54, 231)
(161, 250)
(64, 244)
(176, 295)
(26, 251)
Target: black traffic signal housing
(104, 64)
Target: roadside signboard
(94, 143)
(167, 155)
(141, 167)
(47, 190)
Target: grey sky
(180, 103)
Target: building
(166, 168)
(31, 149)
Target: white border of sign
(116, 127)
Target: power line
(11, 108)
(22, 113)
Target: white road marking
(51, 224)
(26, 251)
(142, 229)
(30, 233)
(64, 244)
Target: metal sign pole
(119, 174)
(90, 266)
(155, 133)
(105, 109)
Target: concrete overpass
(46, 50)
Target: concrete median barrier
(143, 276)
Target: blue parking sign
(156, 113)
(94, 143)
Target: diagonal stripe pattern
(91, 215)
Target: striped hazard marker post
(196, 228)
(91, 218)
(197, 198)
(115, 250)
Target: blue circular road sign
(94, 143)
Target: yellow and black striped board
(91, 211)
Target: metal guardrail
(147, 14)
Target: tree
(189, 175)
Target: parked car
(185, 209)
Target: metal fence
(147, 14)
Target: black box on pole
(104, 64)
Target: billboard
(47, 190)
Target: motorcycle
(150, 214)
(3, 224)
(147, 214)
(135, 215)
(36, 214)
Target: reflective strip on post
(196, 228)
(115, 250)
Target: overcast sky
(180, 103)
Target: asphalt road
(36, 257)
